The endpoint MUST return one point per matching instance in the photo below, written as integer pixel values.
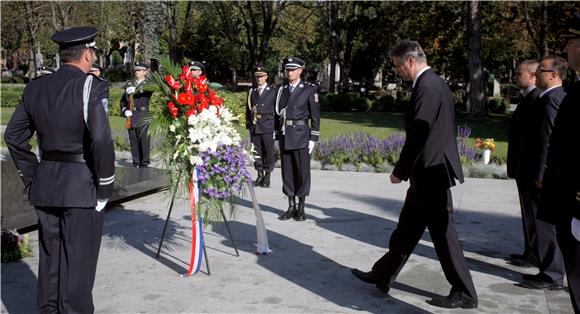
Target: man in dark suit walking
(430, 160)
(71, 184)
(550, 73)
(296, 105)
(135, 106)
(260, 124)
(517, 161)
(560, 197)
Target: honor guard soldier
(135, 106)
(196, 68)
(296, 105)
(260, 123)
(96, 69)
(73, 180)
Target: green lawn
(379, 124)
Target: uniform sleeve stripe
(86, 95)
(107, 179)
(107, 182)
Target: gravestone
(130, 183)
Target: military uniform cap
(76, 38)
(573, 28)
(140, 66)
(196, 65)
(293, 63)
(260, 71)
(96, 66)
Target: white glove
(130, 90)
(311, 146)
(101, 204)
(277, 145)
(128, 113)
(575, 228)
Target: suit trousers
(551, 261)
(295, 171)
(571, 253)
(69, 243)
(139, 140)
(528, 193)
(264, 155)
(431, 208)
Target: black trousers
(139, 141)
(264, 155)
(69, 243)
(571, 254)
(431, 208)
(295, 171)
(528, 193)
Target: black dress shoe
(371, 278)
(539, 283)
(531, 277)
(454, 300)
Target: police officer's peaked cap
(140, 66)
(76, 38)
(293, 63)
(260, 71)
(573, 28)
(96, 66)
(196, 65)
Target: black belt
(66, 157)
(265, 116)
(140, 109)
(295, 122)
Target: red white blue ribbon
(196, 223)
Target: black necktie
(291, 88)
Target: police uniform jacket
(559, 199)
(261, 110)
(429, 156)
(293, 111)
(140, 102)
(54, 107)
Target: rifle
(129, 122)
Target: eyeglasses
(545, 71)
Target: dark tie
(291, 88)
(260, 90)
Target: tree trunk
(477, 91)
(332, 21)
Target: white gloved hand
(311, 146)
(128, 113)
(575, 225)
(277, 145)
(130, 90)
(101, 204)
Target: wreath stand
(261, 230)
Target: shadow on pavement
(21, 296)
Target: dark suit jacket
(562, 174)
(264, 105)
(546, 112)
(430, 157)
(53, 107)
(302, 104)
(519, 136)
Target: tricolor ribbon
(196, 222)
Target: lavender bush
(467, 154)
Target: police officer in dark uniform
(71, 184)
(135, 106)
(260, 123)
(296, 105)
(196, 68)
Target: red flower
(200, 98)
(187, 73)
(186, 99)
(182, 77)
(172, 109)
(217, 101)
(202, 106)
(172, 82)
(190, 112)
(189, 88)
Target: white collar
(547, 90)
(419, 74)
(528, 90)
(263, 86)
(139, 82)
(294, 85)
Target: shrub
(497, 105)
(11, 96)
(344, 102)
(116, 75)
(236, 103)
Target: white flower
(195, 160)
(172, 128)
(213, 109)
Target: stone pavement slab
(350, 217)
